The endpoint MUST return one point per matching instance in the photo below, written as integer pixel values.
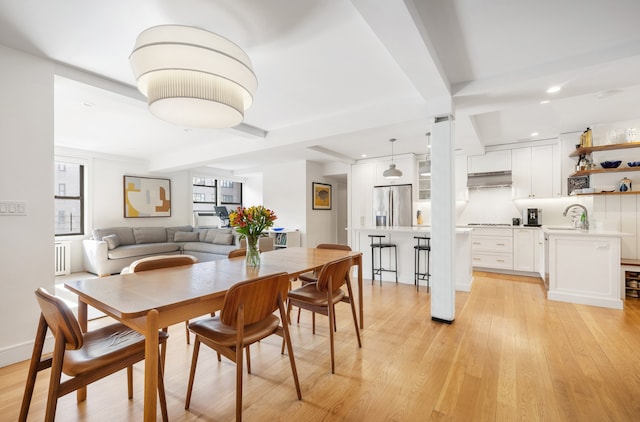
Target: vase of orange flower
(251, 223)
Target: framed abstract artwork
(146, 197)
(321, 196)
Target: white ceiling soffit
(343, 76)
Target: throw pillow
(186, 237)
(113, 241)
(223, 239)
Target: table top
(132, 295)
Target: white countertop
(571, 231)
(409, 229)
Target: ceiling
(338, 78)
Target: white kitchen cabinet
(492, 248)
(584, 267)
(490, 161)
(362, 181)
(525, 242)
(536, 173)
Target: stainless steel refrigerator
(392, 205)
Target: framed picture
(321, 196)
(146, 197)
(577, 183)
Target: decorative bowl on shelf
(610, 164)
(277, 229)
(634, 164)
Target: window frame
(80, 197)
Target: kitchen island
(583, 266)
(403, 238)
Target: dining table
(148, 300)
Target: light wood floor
(510, 355)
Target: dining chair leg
(162, 393)
(331, 310)
(188, 333)
(353, 309)
(54, 380)
(192, 372)
(38, 346)
(239, 347)
(286, 338)
(248, 359)
(130, 381)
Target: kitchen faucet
(583, 224)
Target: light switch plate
(13, 208)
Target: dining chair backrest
(334, 274)
(161, 261)
(258, 297)
(335, 246)
(60, 319)
(236, 253)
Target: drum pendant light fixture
(392, 172)
(192, 77)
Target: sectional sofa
(111, 249)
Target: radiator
(62, 258)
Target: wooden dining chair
(322, 296)
(85, 357)
(237, 253)
(164, 261)
(247, 316)
(312, 277)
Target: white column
(443, 220)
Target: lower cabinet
(285, 239)
(525, 243)
(492, 248)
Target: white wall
(284, 192)
(26, 174)
(321, 224)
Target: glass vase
(253, 255)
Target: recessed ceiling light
(535, 134)
(87, 104)
(364, 156)
(554, 89)
(545, 101)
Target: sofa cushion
(113, 241)
(212, 233)
(125, 234)
(186, 236)
(171, 231)
(223, 239)
(150, 234)
(211, 248)
(129, 251)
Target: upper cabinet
(491, 161)
(536, 172)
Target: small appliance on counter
(515, 221)
(532, 217)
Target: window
(204, 194)
(69, 199)
(230, 192)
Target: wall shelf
(588, 150)
(602, 171)
(609, 193)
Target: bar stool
(380, 246)
(424, 245)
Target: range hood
(490, 179)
